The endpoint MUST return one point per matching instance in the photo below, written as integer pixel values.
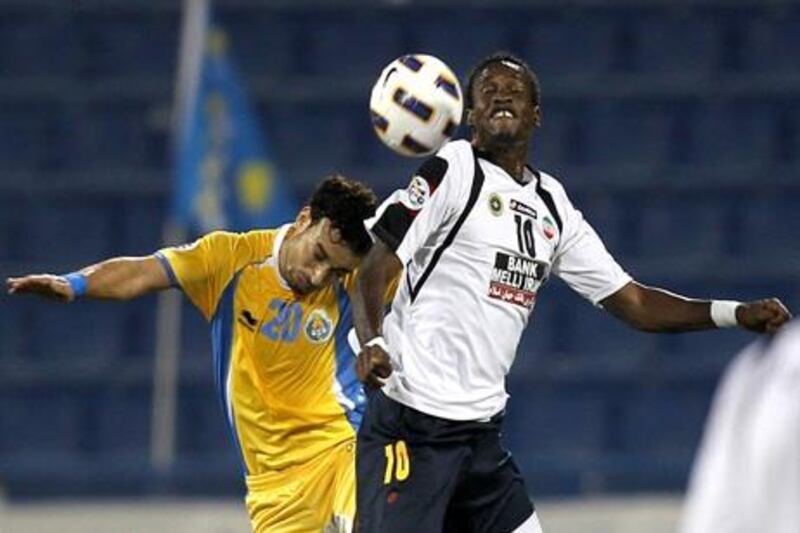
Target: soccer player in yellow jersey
(279, 307)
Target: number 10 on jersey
(398, 465)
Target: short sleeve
(406, 219)
(582, 259)
(204, 268)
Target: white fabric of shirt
(746, 477)
(454, 342)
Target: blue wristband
(78, 282)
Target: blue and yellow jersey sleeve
(204, 268)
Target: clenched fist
(373, 366)
(763, 316)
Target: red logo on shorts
(392, 497)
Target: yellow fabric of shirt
(279, 356)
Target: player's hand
(373, 366)
(47, 285)
(763, 316)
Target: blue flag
(226, 178)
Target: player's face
(316, 255)
(503, 107)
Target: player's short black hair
(499, 57)
(346, 203)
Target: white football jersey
(746, 477)
(477, 246)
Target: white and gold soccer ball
(416, 105)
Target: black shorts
(422, 474)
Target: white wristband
(723, 313)
(378, 341)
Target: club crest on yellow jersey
(319, 326)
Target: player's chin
(503, 134)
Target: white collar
(276, 250)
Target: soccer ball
(416, 105)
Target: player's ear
(303, 219)
(537, 116)
(334, 233)
(469, 118)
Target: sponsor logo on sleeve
(319, 326)
(416, 194)
(516, 280)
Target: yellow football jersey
(283, 367)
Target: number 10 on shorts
(398, 464)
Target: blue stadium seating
(676, 130)
(351, 44)
(773, 37)
(677, 45)
(627, 133)
(125, 46)
(23, 128)
(79, 230)
(262, 44)
(571, 47)
(123, 420)
(449, 41)
(37, 44)
(111, 135)
(664, 418)
(20, 435)
(732, 133)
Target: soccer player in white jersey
(478, 231)
(746, 477)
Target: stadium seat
(297, 131)
(595, 338)
(24, 132)
(773, 37)
(61, 409)
(37, 45)
(201, 424)
(682, 230)
(555, 52)
(675, 45)
(261, 44)
(627, 133)
(84, 333)
(351, 44)
(786, 133)
(733, 133)
(144, 43)
(556, 418)
(771, 227)
(66, 236)
(448, 42)
(109, 134)
(141, 232)
(665, 418)
(123, 419)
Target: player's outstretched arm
(378, 268)
(657, 310)
(121, 278)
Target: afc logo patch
(416, 194)
(319, 327)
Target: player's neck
(510, 157)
